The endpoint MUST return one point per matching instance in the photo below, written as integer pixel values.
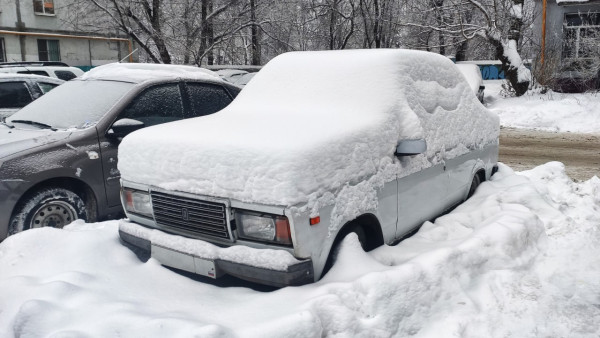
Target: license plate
(182, 261)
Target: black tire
(55, 207)
(335, 248)
(474, 184)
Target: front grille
(190, 215)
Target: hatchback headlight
(263, 227)
(137, 202)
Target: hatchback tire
(52, 207)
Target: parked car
(244, 79)
(317, 146)
(231, 75)
(239, 75)
(57, 70)
(58, 155)
(472, 74)
(18, 90)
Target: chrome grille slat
(176, 212)
(167, 207)
(201, 217)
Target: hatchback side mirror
(411, 147)
(123, 127)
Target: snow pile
(521, 258)
(472, 74)
(138, 72)
(311, 122)
(551, 111)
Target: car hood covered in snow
(311, 122)
(13, 140)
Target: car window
(46, 87)
(75, 104)
(14, 95)
(206, 98)
(156, 105)
(65, 75)
(34, 72)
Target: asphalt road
(523, 149)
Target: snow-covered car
(231, 75)
(57, 70)
(58, 155)
(472, 74)
(19, 90)
(317, 146)
(244, 79)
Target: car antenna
(128, 55)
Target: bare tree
(499, 22)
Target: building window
(581, 36)
(43, 6)
(48, 50)
(2, 51)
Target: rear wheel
(49, 207)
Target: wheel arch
(370, 225)
(77, 186)
(373, 233)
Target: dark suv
(58, 155)
(19, 90)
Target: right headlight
(137, 202)
(263, 227)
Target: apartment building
(41, 30)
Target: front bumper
(265, 266)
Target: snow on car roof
(472, 74)
(312, 122)
(139, 72)
(30, 76)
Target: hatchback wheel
(49, 207)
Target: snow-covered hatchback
(317, 146)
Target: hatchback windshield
(75, 104)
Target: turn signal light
(283, 234)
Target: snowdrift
(521, 258)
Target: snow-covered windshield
(75, 104)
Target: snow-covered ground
(577, 113)
(521, 258)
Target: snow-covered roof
(139, 72)
(472, 74)
(310, 122)
(29, 76)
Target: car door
(421, 196)
(154, 105)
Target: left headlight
(137, 202)
(263, 227)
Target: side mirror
(411, 147)
(123, 127)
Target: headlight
(263, 227)
(137, 202)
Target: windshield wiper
(3, 121)
(34, 123)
